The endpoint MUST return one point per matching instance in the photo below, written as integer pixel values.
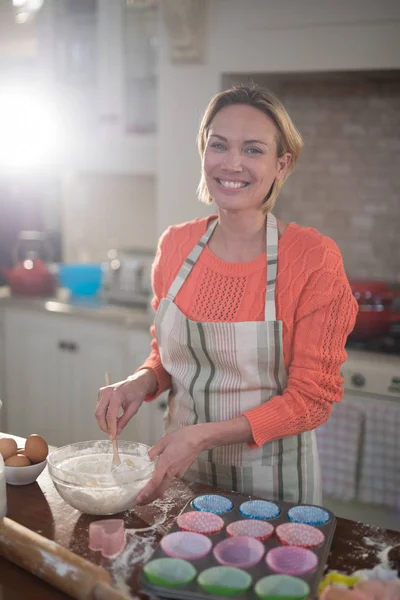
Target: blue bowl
(81, 279)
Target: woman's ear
(283, 164)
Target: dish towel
(380, 465)
(339, 445)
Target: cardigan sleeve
(325, 316)
(153, 361)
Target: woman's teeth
(232, 184)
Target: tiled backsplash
(347, 181)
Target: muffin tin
(247, 548)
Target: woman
(252, 319)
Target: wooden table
(40, 508)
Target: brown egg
(36, 448)
(19, 460)
(8, 447)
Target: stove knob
(358, 380)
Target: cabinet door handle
(62, 345)
(163, 405)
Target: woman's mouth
(232, 185)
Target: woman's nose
(232, 161)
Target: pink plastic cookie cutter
(108, 536)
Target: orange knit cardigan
(313, 300)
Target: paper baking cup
(169, 572)
(291, 560)
(224, 581)
(299, 534)
(259, 509)
(310, 515)
(186, 545)
(200, 522)
(213, 504)
(239, 551)
(281, 587)
(252, 528)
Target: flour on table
(373, 542)
(381, 571)
(383, 557)
(137, 551)
(142, 542)
(378, 573)
(57, 565)
(382, 549)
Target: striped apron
(221, 370)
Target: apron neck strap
(272, 266)
(191, 259)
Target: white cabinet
(104, 60)
(148, 424)
(2, 370)
(35, 395)
(54, 366)
(96, 349)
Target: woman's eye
(218, 146)
(253, 150)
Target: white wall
(103, 211)
(263, 36)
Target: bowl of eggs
(24, 465)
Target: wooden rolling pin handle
(54, 564)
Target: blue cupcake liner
(310, 515)
(213, 504)
(259, 509)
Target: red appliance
(378, 311)
(30, 276)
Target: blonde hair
(288, 138)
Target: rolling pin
(54, 564)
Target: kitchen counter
(41, 509)
(91, 308)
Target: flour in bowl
(98, 468)
(89, 483)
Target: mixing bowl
(83, 475)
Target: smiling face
(240, 159)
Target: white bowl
(24, 475)
(83, 476)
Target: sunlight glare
(30, 127)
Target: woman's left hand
(176, 451)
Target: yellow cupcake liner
(333, 578)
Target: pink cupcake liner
(240, 551)
(299, 534)
(200, 522)
(291, 560)
(186, 545)
(261, 530)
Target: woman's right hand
(127, 395)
